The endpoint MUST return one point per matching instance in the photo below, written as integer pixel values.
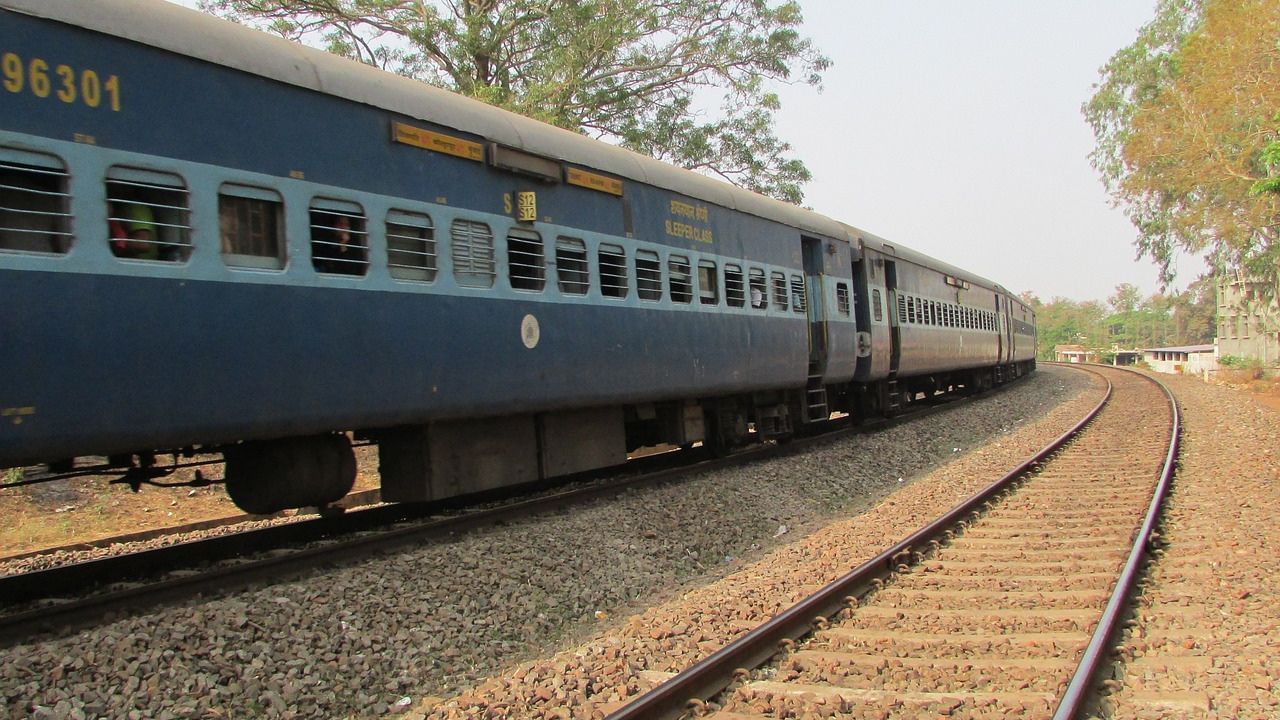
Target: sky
(954, 128)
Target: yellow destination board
(592, 181)
(436, 142)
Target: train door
(815, 394)
(895, 336)
(999, 334)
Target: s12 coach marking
(64, 82)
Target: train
(213, 240)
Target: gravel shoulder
(1207, 630)
(409, 628)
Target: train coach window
(612, 261)
(571, 266)
(680, 277)
(759, 289)
(648, 275)
(876, 313)
(526, 260)
(778, 281)
(734, 293)
(250, 223)
(411, 246)
(902, 309)
(708, 288)
(842, 298)
(472, 253)
(147, 215)
(799, 299)
(34, 202)
(911, 310)
(339, 241)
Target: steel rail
(716, 672)
(1095, 655)
(16, 627)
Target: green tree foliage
(633, 72)
(1188, 134)
(1185, 318)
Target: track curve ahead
(1008, 616)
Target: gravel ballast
(1206, 635)
(377, 637)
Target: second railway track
(1008, 612)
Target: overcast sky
(954, 128)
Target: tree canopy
(1187, 121)
(1134, 322)
(634, 72)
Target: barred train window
(680, 277)
(902, 309)
(733, 292)
(526, 261)
(34, 202)
(472, 253)
(251, 225)
(612, 262)
(147, 215)
(842, 298)
(648, 275)
(708, 289)
(759, 289)
(571, 266)
(799, 298)
(911, 310)
(779, 282)
(339, 240)
(411, 246)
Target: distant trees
(1132, 322)
(1187, 122)
(632, 72)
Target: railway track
(74, 595)
(1006, 606)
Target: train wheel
(264, 477)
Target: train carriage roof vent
(523, 163)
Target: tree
(1187, 121)
(1125, 299)
(634, 72)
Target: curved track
(88, 591)
(1007, 609)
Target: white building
(1190, 359)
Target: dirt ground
(65, 512)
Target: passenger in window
(757, 298)
(341, 253)
(133, 232)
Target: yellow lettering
(67, 93)
(14, 78)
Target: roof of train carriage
(195, 34)
(188, 32)
(879, 244)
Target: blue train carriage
(213, 238)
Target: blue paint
(115, 363)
